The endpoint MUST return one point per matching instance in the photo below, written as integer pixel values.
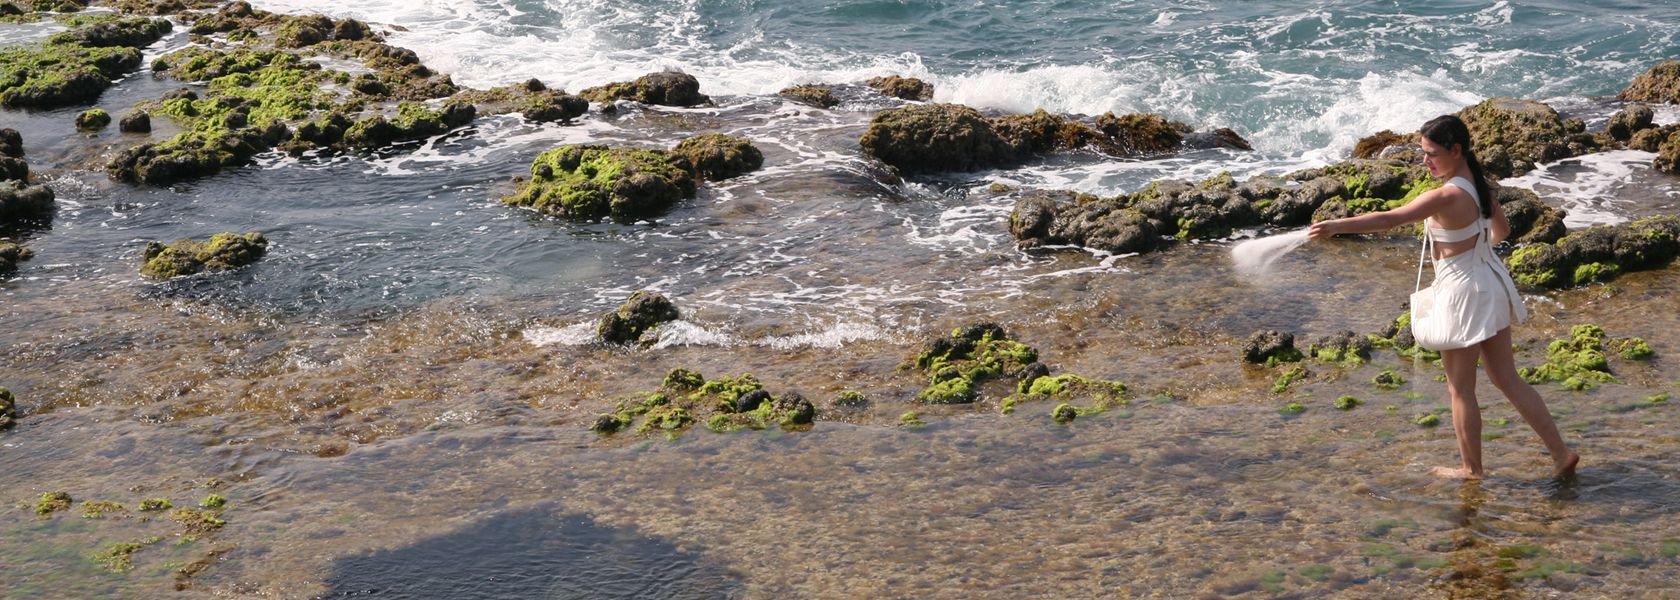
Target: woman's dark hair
(1449, 130)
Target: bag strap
(1428, 244)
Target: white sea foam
(569, 335)
(1255, 257)
(1399, 102)
(1591, 187)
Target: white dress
(1473, 287)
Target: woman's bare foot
(1458, 473)
(1567, 469)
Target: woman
(1465, 220)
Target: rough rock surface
(716, 156)
(589, 183)
(1661, 84)
(1598, 253)
(186, 257)
(666, 89)
(642, 312)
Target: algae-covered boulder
(530, 98)
(1511, 136)
(820, 96)
(58, 75)
(553, 106)
(1344, 347)
(957, 365)
(186, 257)
(12, 254)
(1140, 133)
(1372, 146)
(13, 169)
(8, 408)
(93, 119)
(1631, 120)
(723, 404)
(666, 89)
(194, 154)
(1042, 132)
(1661, 84)
(1668, 155)
(642, 312)
(413, 121)
(1531, 221)
(1653, 138)
(132, 32)
(904, 88)
(1598, 253)
(589, 183)
(716, 156)
(1269, 347)
(935, 138)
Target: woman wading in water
(1464, 221)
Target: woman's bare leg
(1460, 365)
(1502, 370)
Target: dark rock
(607, 424)
(903, 88)
(11, 143)
(751, 400)
(19, 202)
(1531, 221)
(666, 89)
(93, 119)
(14, 169)
(1064, 413)
(413, 121)
(681, 379)
(1661, 84)
(643, 311)
(135, 122)
(820, 96)
(186, 257)
(547, 106)
(351, 29)
(1668, 155)
(1269, 346)
(935, 138)
(1631, 120)
(795, 409)
(8, 408)
(1223, 137)
(594, 182)
(716, 156)
(298, 32)
(10, 255)
(193, 154)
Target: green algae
(51, 502)
(590, 183)
(1581, 362)
(197, 522)
(93, 119)
(213, 501)
(722, 404)
(1317, 573)
(911, 420)
(98, 508)
(1388, 380)
(185, 257)
(1288, 377)
(118, 557)
(57, 75)
(958, 364)
(1427, 420)
(1064, 413)
(1293, 408)
(155, 505)
(1348, 403)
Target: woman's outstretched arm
(1418, 209)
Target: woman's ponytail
(1476, 177)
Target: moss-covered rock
(1652, 139)
(1668, 155)
(1388, 380)
(194, 154)
(1660, 84)
(131, 32)
(1373, 145)
(820, 96)
(1581, 361)
(1598, 253)
(589, 183)
(52, 502)
(1270, 347)
(11, 143)
(936, 138)
(639, 314)
(186, 257)
(58, 75)
(956, 365)
(93, 119)
(716, 156)
(666, 89)
(413, 121)
(533, 100)
(904, 88)
(135, 122)
(723, 404)
(1042, 132)
(1631, 120)
(1511, 136)
(1343, 348)
(8, 405)
(12, 254)
(1097, 395)
(1531, 221)
(1140, 133)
